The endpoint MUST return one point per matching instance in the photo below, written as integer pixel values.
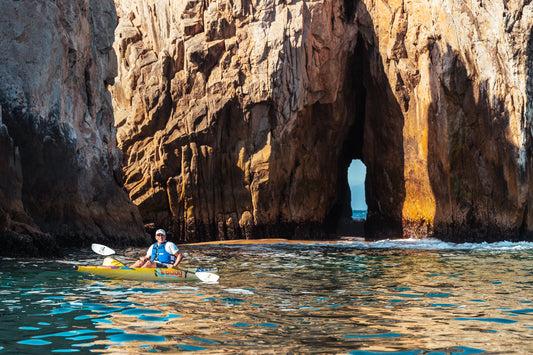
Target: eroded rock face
(231, 116)
(458, 76)
(241, 118)
(59, 165)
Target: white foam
(423, 244)
(435, 244)
(239, 290)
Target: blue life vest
(160, 254)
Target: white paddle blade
(102, 249)
(207, 276)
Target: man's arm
(179, 256)
(148, 255)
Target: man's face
(160, 237)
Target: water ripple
(391, 297)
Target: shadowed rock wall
(59, 164)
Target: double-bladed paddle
(202, 275)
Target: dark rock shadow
(376, 138)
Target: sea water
(359, 214)
(391, 297)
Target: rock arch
(240, 121)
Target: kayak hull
(145, 274)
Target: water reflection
(280, 299)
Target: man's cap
(161, 231)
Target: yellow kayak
(114, 269)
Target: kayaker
(160, 254)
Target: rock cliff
(458, 74)
(232, 117)
(240, 118)
(59, 164)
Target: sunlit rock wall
(59, 163)
(460, 77)
(231, 115)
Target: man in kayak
(160, 254)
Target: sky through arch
(356, 180)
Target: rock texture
(458, 75)
(59, 164)
(241, 118)
(232, 116)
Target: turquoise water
(390, 297)
(359, 214)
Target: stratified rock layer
(59, 164)
(241, 118)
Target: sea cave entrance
(349, 215)
(352, 171)
(373, 138)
